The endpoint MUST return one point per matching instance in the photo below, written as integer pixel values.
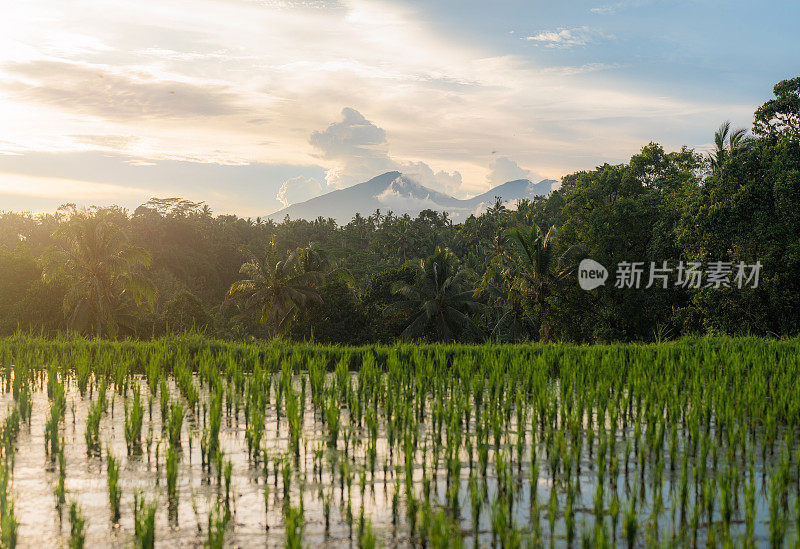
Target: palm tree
(438, 300)
(508, 308)
(534, 270)
(277, 289)
(726, 142)
(317, 260)
(402, 236)
(95, 259)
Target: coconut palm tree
(534, 270)
(726, 142)
(508, 308)
(94, 258)
(278, 290)
(439, 301)
(402, 236)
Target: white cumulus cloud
(355, 150)
(446, 182)
(502, 169)
(355, 146)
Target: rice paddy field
(192, 442)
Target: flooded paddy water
(492, 446)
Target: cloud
(446, 182)
(98, 91)
(610, 9)
(357, 150)
(250, 96)
(502, 169)
(244, 189)
(113, 142)
(299, 189)
(567, 70)
(569, 37)
(353, 135)
(395, 200)
(43, 187)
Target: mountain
(401, 194)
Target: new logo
(591, 274)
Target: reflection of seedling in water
(552, 513)
(326, 508)
(172, 477)
(286, 476)
(630, 524)
(613, 511)
(366, 536)
(266, 502)
(293, 519)
(77, 535)
(144, 520)
(777, 520)
(61, 491)
(228, 475)
(114, 492)
(218, 519)
(750, 505)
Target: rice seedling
(134, 416)
(8, 519)
(176, 414)
(92, 433)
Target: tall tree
(93, 256)
(534, 270)
(439, 303)
(277, 289)
(780, 116)
(726, 141)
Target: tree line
(509, 274)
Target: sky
(251, 105)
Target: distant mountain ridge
(393, 191)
